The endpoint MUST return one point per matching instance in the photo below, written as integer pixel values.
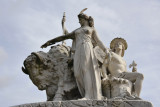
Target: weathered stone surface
(49, 71)
(90, 103)
(84, 70)
(125, 82)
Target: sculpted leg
(137, 79)
(138, 84)
(50, 91)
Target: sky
(27, 24)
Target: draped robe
(86, 69)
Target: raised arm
(63, 27)
(58, 39)
(104, 67)
(98, 41)
(65, 31)
(100, 44)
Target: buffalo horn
(38, 56)
(24, 70)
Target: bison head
(49, 71)
(40, 69)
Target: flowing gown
(86, 69)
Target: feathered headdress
(82, 15)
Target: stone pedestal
(90, 103)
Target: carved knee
(140, 76)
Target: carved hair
(115, 41)
(86, 17)
(91, 21)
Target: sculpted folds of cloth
(96, 72)
(85, 66)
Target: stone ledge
(90, 103)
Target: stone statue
(86, 69)
(49, 71)
(116, 67)
(87, 74)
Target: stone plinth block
(90, 103)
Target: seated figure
(116, 67)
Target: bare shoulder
(93, 29)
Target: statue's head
(83, 17)
(40, 70)
(118, 44)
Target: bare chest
(84, 31)
(117, 65)
(118, 59)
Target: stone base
(90, 103)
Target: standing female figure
(86, 69)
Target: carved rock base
(90, 103)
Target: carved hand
(108, 54)
(106, 79)
(46, 44)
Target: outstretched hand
(46, 44)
